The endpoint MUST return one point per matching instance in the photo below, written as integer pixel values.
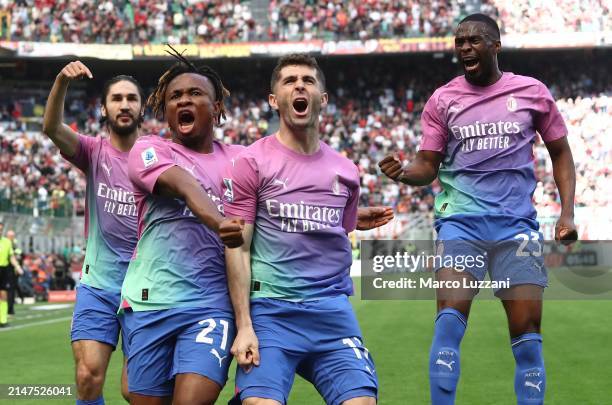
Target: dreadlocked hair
(183, 65)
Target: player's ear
(272, 101)
(497, 45)
(324, 99)
(216, 112)
(141, 117)
(103, 110)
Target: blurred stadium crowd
(340, 20)
(205, 21)
(367, 118)
(134, 21)
(42, 272)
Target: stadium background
(382, 60)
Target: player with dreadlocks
(175, 294)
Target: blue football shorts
(164, 343)
(507, 248)
(95, 317)
(320, 340)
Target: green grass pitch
(397, 333)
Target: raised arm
(178, 183)
(564, 173)
(238, 263)
(53, 126)
(420, 172)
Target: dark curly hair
(299, 59)
(157, 99)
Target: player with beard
(180, 317)
(290, 281)
(478, 136)
(110, 222)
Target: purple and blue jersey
(178, 261)
(302, 207)
(110, 212)
(486, 135)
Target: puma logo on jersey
(218, 356)
(107, 169)
(443, 363)
(190, 170)
(536, 386)
(281, 182)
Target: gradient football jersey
(178, 261)
(110, 212)
(486, 135)
(302, 207)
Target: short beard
(123, 131)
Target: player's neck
(200, 144)
(123, 143)
(487, 80)
(305, 142)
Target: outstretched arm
(53, 126)
(420, 172)
(238, 262)
(564, 173)
(178, 183)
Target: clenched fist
(230, 232)
(392, 167)
(565, 230)
(74, 71)
(246, 349)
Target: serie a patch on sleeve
(149, 157)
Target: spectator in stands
(143, 21)
(550, 16)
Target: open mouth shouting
(186, 121)
(300, 106)
(471, 64)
